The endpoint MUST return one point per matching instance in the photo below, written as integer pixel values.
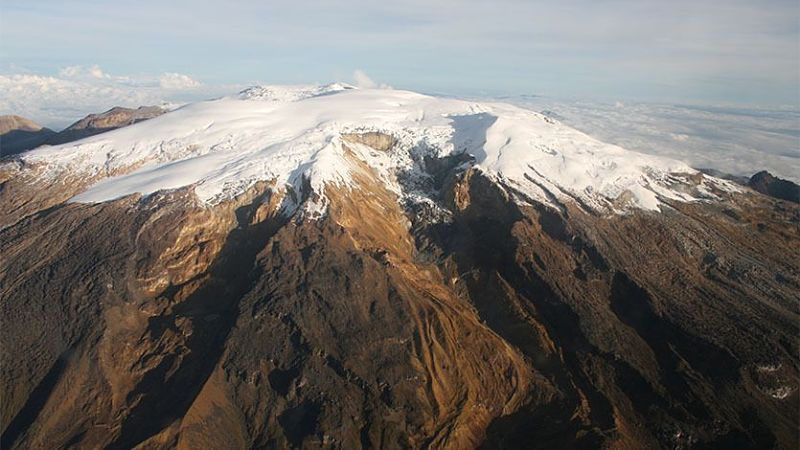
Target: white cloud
(363, 81)
(93, 71)
(680, 137)
(57, 101)
(96, 72)
(70, 72)
(177, 81)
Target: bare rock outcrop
(768, 184)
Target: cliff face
(475, 317)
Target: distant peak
(14, 122)
(117, 116)
(768, 184)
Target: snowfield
(288, 134)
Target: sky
(715, 83)
(710, 51)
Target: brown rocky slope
(161, 323)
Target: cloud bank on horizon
(58, 100)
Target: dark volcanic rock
(768, 184)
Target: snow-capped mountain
(291, 134)
(332, 267)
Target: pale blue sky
(710, 51)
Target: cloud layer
(57, 101)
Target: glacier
(291, 135)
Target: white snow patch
(781, 392)
(769, 368)
(290, 93)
